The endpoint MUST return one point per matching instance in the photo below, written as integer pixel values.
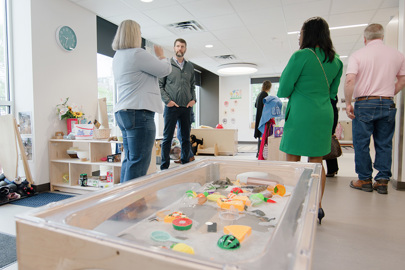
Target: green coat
(309, 114)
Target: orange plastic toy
(279, 190)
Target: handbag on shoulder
(336, 149)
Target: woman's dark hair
(315, 32)
(266, 85)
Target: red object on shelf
(219, 126)
(70, 124)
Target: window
(106, 85)
(5, 96)
(196, 108)
(256, 88)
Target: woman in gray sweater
(136, 74)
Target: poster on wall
(236, 94)
(24, 118)
(27, 142)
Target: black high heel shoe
(321, 214)
(331, 174)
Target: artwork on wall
(236, 94)
(24, 118)
(226, 103)
(27, 142)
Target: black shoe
(331, 174)
(321, 214)
(381, 186)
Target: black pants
(332, 164)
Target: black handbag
(335, 149)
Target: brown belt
(373, 97)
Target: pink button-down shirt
(376, 67)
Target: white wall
(242, 111)
(237, 113)
(44, 73)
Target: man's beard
(179, 54)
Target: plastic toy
(258, 198)
(170, 217)
(161, 236)
(279, 190)
(228, 242)
(182, 224)
(237, 190)
(181, 247)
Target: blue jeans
(171, 116)
(373, 117)
(138, 134)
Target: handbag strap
(324, 73)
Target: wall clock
(66, 38)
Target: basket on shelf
(102, 133)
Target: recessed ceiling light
(237, 69)
(337, 27)
(209, 46)
(147, 1)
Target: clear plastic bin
(112, 229)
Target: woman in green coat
(310, 79)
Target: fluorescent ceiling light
(343, 56)
(335, 28)
(237, 69)
(209, 46)
(147, 1)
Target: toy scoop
(161, 236)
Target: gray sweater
(179, 85)
(136, 74)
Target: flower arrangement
(66, 111)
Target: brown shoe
(364, 185)
(192, 159)
(381, 186)
(177, 161)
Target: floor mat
(247, 148)
(8, 252)
(41, 199)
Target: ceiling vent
(226, 58)
(186, 27)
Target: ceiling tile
(156, 31)
(351, 18)
(139, 5)
(105, 8)
(305, 10)
(140, 18)
(349, 6)
(221, 22)
(268, 17)
(232, 33)
(208, 8)
(385, 15)
(254, 5)
(168, 15)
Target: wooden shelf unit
(60, 163)
(223, 142)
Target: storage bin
(111, 228)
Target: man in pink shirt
(375, 74)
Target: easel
(9, 139)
